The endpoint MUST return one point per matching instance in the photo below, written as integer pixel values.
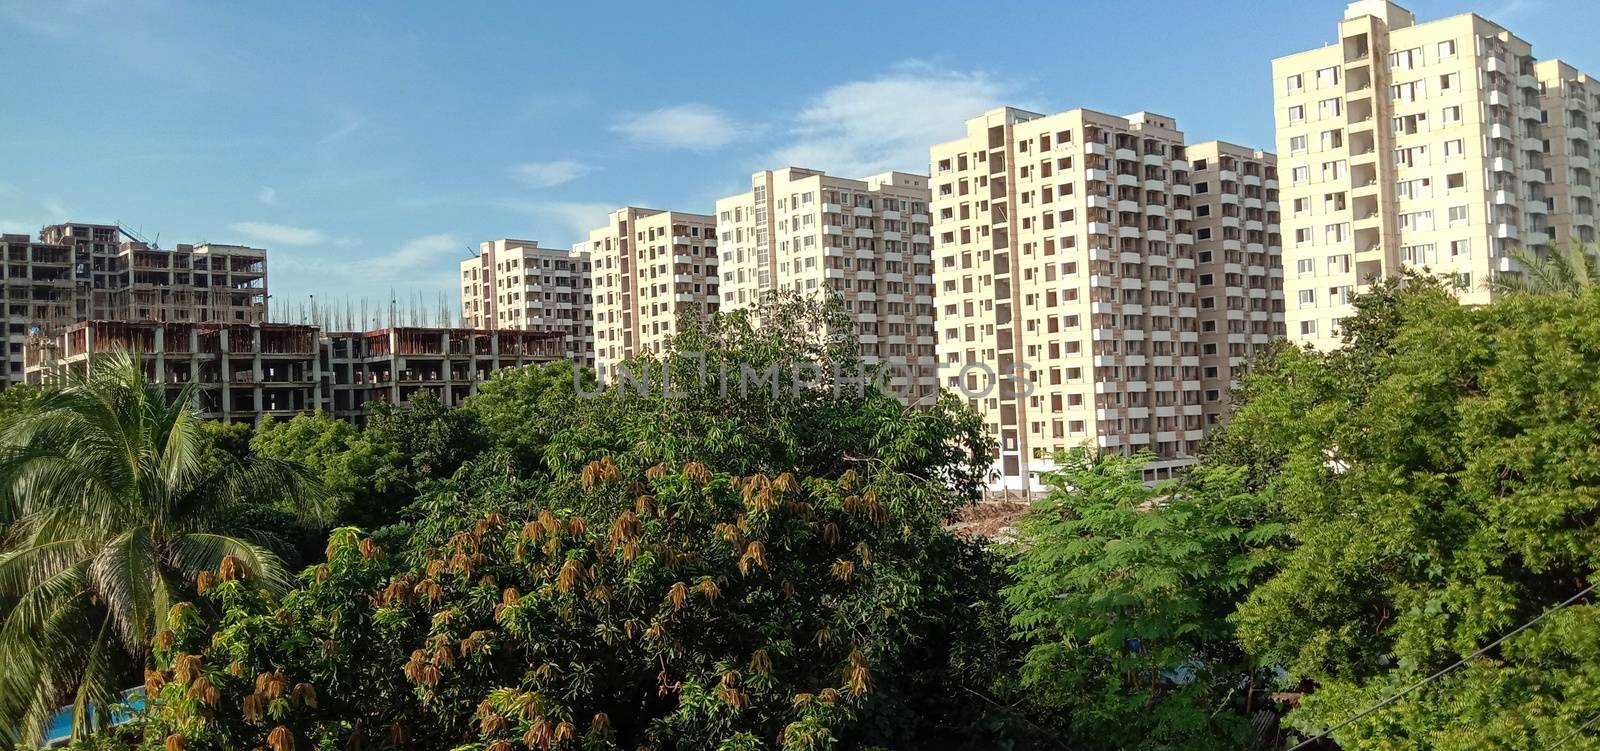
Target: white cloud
(576, 217)
(267, 195)
(415, 254)
(696, 127)
(279, 234)
(550, 174)
(864, 127)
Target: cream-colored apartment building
(518, 285)
(1066, 262)
(1416, 145)
(649, 267)
(1238, 263)
(1570, 102)
(803, 231)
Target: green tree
(1439, 475)
(377, 471)
(1123, 590)
(706, 572)
(112, 512)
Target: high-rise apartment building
(517, 285)
(76, 272)
(1065, 255)
(803, 231)
(1238, 263)
(649, 267)
(1570, 105)
(1408, 145)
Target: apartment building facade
(1424, 146)
(242, 372)
(1238, 263)
(649, 268)
(518, 285)
(1064, 257)
(75, 272)
(803, 231)
(1570, 105)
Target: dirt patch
(994, 520)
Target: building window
(1447, 49)
(1452, 115)
(1458, 215)
(1297, 113)
(1295, 82)
(1308, 328)
(1297, 144)
(1305, 267)
(1307, 298)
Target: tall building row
(1109, 275)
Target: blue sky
(369, 146)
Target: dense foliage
(113, 501)
(1124, 590)
(557, 565)
(1441, 481)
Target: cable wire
(1458, 663)
(1573, 734)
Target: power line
(1573, 734)
(1458, 663)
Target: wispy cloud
(268, 196)
(427, 262)
(863, 127)
(417, 253)
(55, 209)
(279, 234)
(1513, 9)
(350, 124)
(692, 126)
(577, 218)
(18, 227)
(550, 174)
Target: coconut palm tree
(1572, 270)
(109, 510)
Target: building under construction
(245, 371)
(77, 272)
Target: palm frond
(199, 551)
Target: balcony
(1128, 181)
(1505, 231)
(1535, 207)
(1154, 160)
